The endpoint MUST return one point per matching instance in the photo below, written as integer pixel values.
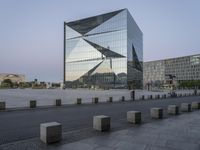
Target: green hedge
(190, 84)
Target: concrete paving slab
(175, 133)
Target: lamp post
(172, 83)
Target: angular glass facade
(104, 51)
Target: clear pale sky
(31, 31)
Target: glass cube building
(104, 51)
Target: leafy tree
(190, 84)
(7, 83)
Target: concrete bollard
(58, 102)
(132, 95)
(185, 107)
(33, 104)
(157, 113)
(95, 100)
(143, 97)
(50, 132)
(110, 99)
(78, 101)
(157, 96)
(173, 110)
(101, 123)
(134, 117)
(195, 105)
(123, 99)
(2, 105)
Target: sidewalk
(175, 133)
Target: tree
(7, 83)
(190, 84)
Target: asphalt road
(77, 119)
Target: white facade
(182, 68)
(13, 77)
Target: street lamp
(172, 77)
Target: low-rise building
(13, 77)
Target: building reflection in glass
(104, 51)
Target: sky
(31, 31)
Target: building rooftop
(172, 58)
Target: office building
(104, 51)
(161, 72)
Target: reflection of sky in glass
(115, 41)
(100, 55)
(195, 60)
(80, 55)
(77, 69)
(82, 51)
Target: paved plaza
(175, 133)
(20, 129)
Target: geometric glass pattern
(103, 52)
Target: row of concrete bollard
(164, 96)
(58, 102)
(52, 132)
(32, 104)
(174, 109)
(95, 100)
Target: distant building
(161, 72)
(104, 51)
(13, 77)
